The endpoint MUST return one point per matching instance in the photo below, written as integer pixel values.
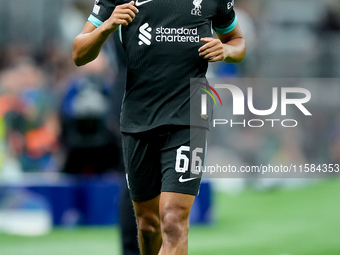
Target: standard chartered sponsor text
(166, 34)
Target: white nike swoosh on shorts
(186, 180)
(137, 3)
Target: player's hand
(122, 15)
(213, 50)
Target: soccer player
(167, 42)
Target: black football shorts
(164, 159)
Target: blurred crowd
(52, 114)
(49, 109)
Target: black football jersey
(161, 46)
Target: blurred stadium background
(54, 115)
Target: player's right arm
(87, 45)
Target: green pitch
(303, 221)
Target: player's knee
(175, 224)
(148, 223)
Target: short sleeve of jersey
(225, 20)
(102, 10)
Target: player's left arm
(229, 47)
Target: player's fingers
(205, 52)
(207, 39)
(132, 7)
(123, 22)
(215, 59)
(212, 49)
(213, 55)
(127, 12)
(209, 44)
(126, 18)
(129, 19)
(128, 6)
(123, 19)
(204, 47)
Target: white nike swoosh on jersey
(141, 3)
(186, 180)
